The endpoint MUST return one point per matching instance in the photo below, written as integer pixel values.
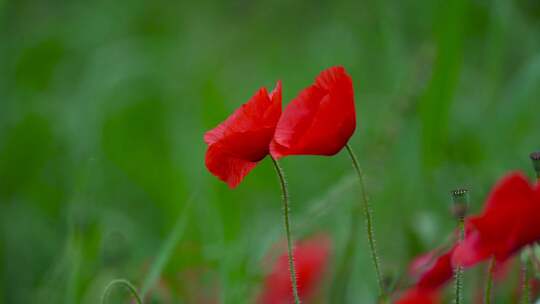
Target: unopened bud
(460, 199)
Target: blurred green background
(103, 105)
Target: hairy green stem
(286, 219)
(458, 272)
(489, 281)
(369, 222)
(124, 283)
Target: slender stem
(369, 222)
(458, 272)
(525, 288)
(489, 281)
(286, 219)
(124, 283)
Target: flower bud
(460, 199)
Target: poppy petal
(416, 296)
(320, 120)
(237, 144)
(439, 273)
(226, 167)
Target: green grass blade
(166, 250)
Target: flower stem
(369, 222)
(458, 272)
(460, 200)
(126, 284)
(525, 288)
(286, 219)
(489, 281)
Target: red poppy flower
(320, 120)
(509, 222)
(417, 296)
(311, 258)
(236, 145)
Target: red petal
(468, 252)
(439, 274)
(320, 120)
(512, 189)
(415, 296)
(225, 166)
(243, 139)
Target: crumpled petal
(228, 168)
(237, 144)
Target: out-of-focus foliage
(103, 105)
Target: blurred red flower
(320, 120)
(311, 258)
(432, 274)
(509, 222)
(237, 144)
